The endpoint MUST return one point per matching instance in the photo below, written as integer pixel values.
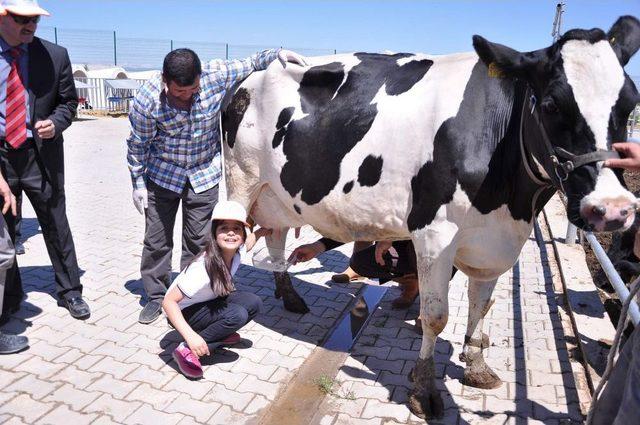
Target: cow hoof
(426, 405)
(481, 377)
(294, 303)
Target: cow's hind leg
(424, 398)
(478, 373)
(284, 288)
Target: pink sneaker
(232, 339)
(188, 362)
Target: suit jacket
(52, 95)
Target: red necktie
(16, 111)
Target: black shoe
(150, 312)
(19, 248)
(10, 344)
(77, 307)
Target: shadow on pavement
(30, 227)
(40, 279)
(136, 288)
(388, 330)
(19, 321)
(525, 408)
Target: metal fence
(614, 277)
(108, 48)
(99, 49)
(605, 262)
(634, 123)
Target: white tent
(122, 84)
(111, 73)
(143, 75)
(79, 71)
(83, 85)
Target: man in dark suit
(31, 144)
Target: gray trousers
(155, 267)
(7, 255)
(619, 403)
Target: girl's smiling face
(230, 235)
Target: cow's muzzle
(609, 215)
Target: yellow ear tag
(612, 41)
(495, 71)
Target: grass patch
(326, 386)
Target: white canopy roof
(123, 84)
(79, 71)
(143, 75)
(116, 72)
(81, 85)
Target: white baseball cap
(230, 210)
(22, 7)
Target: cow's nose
(609, 216)
(599, 210)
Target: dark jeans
(160, 218)
(399, 261)
(216, 319)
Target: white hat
(230, 210)
(22, 7)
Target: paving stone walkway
(527, 351)
(111, 369)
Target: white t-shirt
(194, 282)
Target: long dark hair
(219, 274)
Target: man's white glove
(140, 200)
(288, 56)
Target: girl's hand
(306, 252)
(197, 345)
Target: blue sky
(435, 27)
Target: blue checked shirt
(171, 146)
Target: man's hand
(292, 57)
(631, 153)
(306, 252)
(46, 129)
(381, 248)
(140, 200)
(7, 197)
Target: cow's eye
(549, 106)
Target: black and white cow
(457, 152)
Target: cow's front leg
(478, 373)
(424, 399)
(284, 288)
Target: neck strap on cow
(563, 162)
(523, 152)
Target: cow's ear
(624, 37)
(509, 61)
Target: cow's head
(579, 99)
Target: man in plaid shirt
(174, 155)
